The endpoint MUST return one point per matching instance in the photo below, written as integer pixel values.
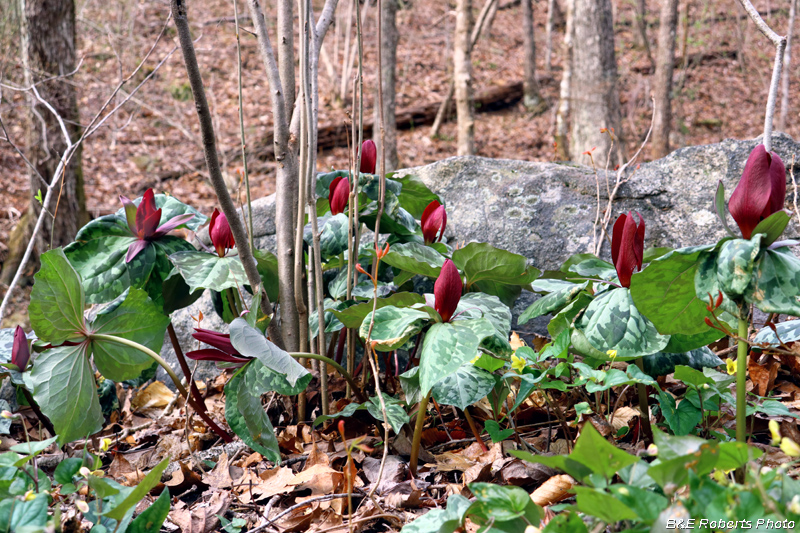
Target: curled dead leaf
(554, 490)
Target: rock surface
(546, 211)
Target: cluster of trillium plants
(658, 308)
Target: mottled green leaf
(409, 380)
(480, 305)
(64, 387)
(735, 265)
(787, 332)
(663, 363)
(57, 301)
(416, 258)
(665, 293)
(133, 316)
(333, 235)
(594, 267)
(445, 348)
(772, 226)
(467, 385)
(202, 270)
(171, 207)
(776, 283)
(353, 317)
(553, 301)
(612, 322)
(393, 326)
(250, 342)
(247, 417)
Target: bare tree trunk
(462, 74)
(787, 59)
(663, 82)
(389, 38)
(548, 51)
(48, 48)
(531, 97)
(594, 81)
(565, 92)
(641, 25)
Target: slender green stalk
(644, 406)
(339, 368)
(241, 126)
(423, 408)
(741, 381)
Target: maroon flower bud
(338, 194)
(447, 290)
(220, 233)
(434, 221)
(20, 354)
(761, 191)
(223, 350)
(369, 155)
(627, 247)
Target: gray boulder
(546, 211)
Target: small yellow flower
(775, 429)
(612, 354)
(30, 495)
(475, 359)
(790, 447)
(105, 444)
(731, 364)
(85, 472)
(82, 506)
(652, 450)
(7, 414)
(518, 363)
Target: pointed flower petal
(172, 223)
(433, 222)
(20, 354)
(221, 341)
(760, 192)
(134, 249)
(220, 233)
(211, 354)
(447, 290)
(147, 206)
(338, 195)
(130, 212)
(627, 247)
(369, 156)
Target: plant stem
(224, 435)
(339, 368)
(644, 406)
(241, 126)
(176, 345)
(474, 428)
(741, 381)
(38, 412)
(423, 407)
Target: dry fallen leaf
(154, 395)
(553, 490)
(219, 477)
(320, 479)
(202, 516)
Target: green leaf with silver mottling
(735, 265)
(612, 322)
(64, 387)
(415, 258)
(469, 384)
(594, 267)
(445, 348)
(262, 379)
(393, 326)
(684, 343)
(480, 305)
(706, 282)
(133, 316)
(333, 235)
(395, 413)
(772, 226)
(787, 332)
(663, 363)
(247, 417)
(202, 270)
(562, 321)
(553, 301)
(410, 382)
(57, 300)
(353, 317)
(665, 292)
(776, 283)
(250, 342)
(331, 322)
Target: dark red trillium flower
(143, 222)
(220, 233)
(369, 155)
(447, 290)
(338, 193)
(627, 246)
(20, 354)
(761, 191)
(222, 351)
(434, 221)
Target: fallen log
(693, 60)
(331, 135)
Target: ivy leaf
(151, 519)
(64, 387)
(497, 434)
(57, 301)
(202, 270)
(140, 490)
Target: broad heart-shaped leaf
(735, 265)
(599, 455)
(393, 326)
(409, 380)
(562, 321)
(133, 316)
(415, 258)
(773, 226)
(665, 293)
(262, 380)
(479, 305)
(446, 347)
(467, 385)
(247, 417)
(501, 503)
(353, 317)
(663, 363)
(599, 503)
(414, 196)
(683, 417)
(553, 301)
(483, 262)
(202, 270)
(250, 342)
(775, 284)
(679, 343)
(787, 332)
(333, 235)
(63, 385)
(57, 301)
(612, 322)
